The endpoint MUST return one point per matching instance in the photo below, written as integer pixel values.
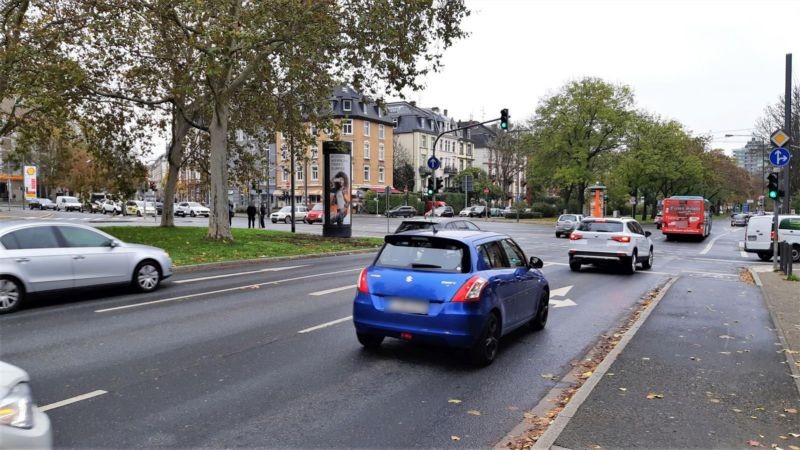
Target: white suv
(285, 214)
(192, 209)
(598, 241)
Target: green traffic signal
(430, 186)
(504, 118)
(772, 185)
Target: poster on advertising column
(338, 188)
(29, 180)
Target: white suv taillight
(471, 290)
(575, 236)
(623, 239)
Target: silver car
(567, 223)
(46, 256)
(22, 425)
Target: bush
(546, 210)
(523, 215)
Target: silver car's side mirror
(535, 263)
(113, 243)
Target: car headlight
(16, 408)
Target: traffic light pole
(787, 126)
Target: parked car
(45, 256)
(315, 214)
(160, 208)
(22, 425)
(285, 214)
(442, 211)
(659, 218)
(192, 209)
(599, 241)
(567, 223)
(140, 208)
(465, 212)
(462, 289)
(739, 220)
(441, 224)
(758, 235)
(41, 203)
(68, 203)
(402, 211)
(495, 212)
(477, 211)
(111, 207)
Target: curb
(549, 437)
(249, 262)
(789, 358)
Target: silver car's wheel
(10, 295)
(147, 276)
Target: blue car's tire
(484, 351)
(369, 341)
(539, 321)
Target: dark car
(440, 224)
(459, 289)
(402, 211)
(477, 211)
(159, 208)
(42, 203)
(442, 211)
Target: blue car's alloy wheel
(369, 341)
(485, 349)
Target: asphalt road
(266, 356)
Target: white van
(67, 203)
(758, 235)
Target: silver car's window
(569, 217)
(602, 227)
(29, 238)
(78, 237)
(514, 255)
(471, 226)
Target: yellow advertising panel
(29, 173)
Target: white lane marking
(653, 272)
(72, 400)
(716, 274)
(711, 244)
(562, 303)
(325, 325)
(249, 286)
(331, 291)
(554, 264)
(215, 277)
(560, 292)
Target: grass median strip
(188, 245)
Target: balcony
(451, 170)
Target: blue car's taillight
(471, 290)
(362, 281)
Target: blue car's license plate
(401, 305)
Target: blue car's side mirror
(535, 263)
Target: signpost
(388, 190)
(434, 163)
(779, 157)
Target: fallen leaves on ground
(753, 443)
(548, 376)
(454, 401)
(790, 410)
(796, 435)
(474, 412)
(652, 396)
(714, 400)
(455, 438)
(794, 447)
(623, 389)
(586, 375)
(725, 336)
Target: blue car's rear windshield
(603, 227)
(423, 253)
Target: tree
(480, 181)
(509, 153)
(575, 129)
(402, 169)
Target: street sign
(633, 200)
(467, 183)
(779, 157)
(779, 138)
(434, 163)
(388, 190)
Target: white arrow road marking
(562, 303)
(214, 277)
(560, 292)
(72, 400)
(331, 291)
(711, 244)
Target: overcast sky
(712, 65)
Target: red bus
(686, 215)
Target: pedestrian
(230, 213)
(251, 215)
(262, 214)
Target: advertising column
(29, 180)
(338, 159)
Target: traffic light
(772, 185)
(430, 185)
(439, 183)
(504, 119)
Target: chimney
(413, 103)
(445, 113)
(435, 109)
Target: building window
(381, 131)
(366, 173)
(299, 173)
(285, 174)
(366, 128)
(313, 131)
(314, 151)
(381, 152)
(314, 173)
(347, 127)
(347, 105)
(423, 141)
(366, 150)
(394, 122)
(380, 174)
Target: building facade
(360, 121)
(753, 157)
(416, 129)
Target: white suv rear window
(602, 227)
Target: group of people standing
(252, 211)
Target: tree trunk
(218, 224)
(174, 158)
(582, 196)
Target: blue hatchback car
(462, 289)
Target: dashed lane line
(72, 400)
(227, 275)
(220, 291)
(331, 291)
(325, 325)
(711, 244)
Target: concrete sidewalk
(708, 369)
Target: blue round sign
(779, 157)
(434, 163)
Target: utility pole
(787, 127)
